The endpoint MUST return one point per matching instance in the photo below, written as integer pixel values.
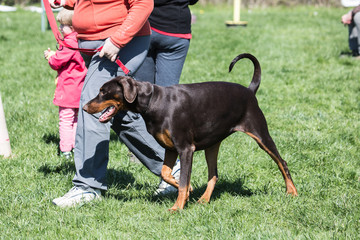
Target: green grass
(308, 94)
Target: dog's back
(222, 106)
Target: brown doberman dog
(186, 118)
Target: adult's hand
(347, 18)
(109, 50)
(57, 3)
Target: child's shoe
(66, 155)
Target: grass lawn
(309, 95)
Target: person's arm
(60, 58)
(48, 53)
(356, 10)
(139, 12)
(347, 18)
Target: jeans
(164, 61)
(354, 33)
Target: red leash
(61, 42)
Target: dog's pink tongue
(105, 117)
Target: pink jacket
(71, 74)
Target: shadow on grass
(123, 185)
(119, 180)
(114, 177)
(64, 168)
(51, 138)
(234, 188)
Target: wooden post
(5, 149)
(236, 16)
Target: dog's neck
(145, 93)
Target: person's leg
(353, 38)
(91, 142)
(164, 62)
(66, 116)
(92, 139)
(91, 153)
(74, 124)
(171, 54)
(132, 131)
(131, 127)
(146, 72)
(356, 21)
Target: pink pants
(67, 128)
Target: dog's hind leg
(211, 155)
(169, 162)
(255, 126)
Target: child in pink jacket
(71, 74)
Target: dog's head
(114, 96)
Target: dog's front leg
(169, 162)
(186, 158)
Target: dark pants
(354, 33)
(164, 61)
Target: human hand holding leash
(346, 18)
(109, 50)
(56, 3)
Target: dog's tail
(255, 82)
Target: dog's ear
(129, 88)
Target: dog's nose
(85, 107)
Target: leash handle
(58, 36)
(52, 21)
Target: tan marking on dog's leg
(205, 198)
(183, 197)
(290, 187)
(211, 155)
(165, 138)
(169, 162)
(186, 158)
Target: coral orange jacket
(120, 20)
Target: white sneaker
(66, 155)
(165, 188)
(78, 195)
